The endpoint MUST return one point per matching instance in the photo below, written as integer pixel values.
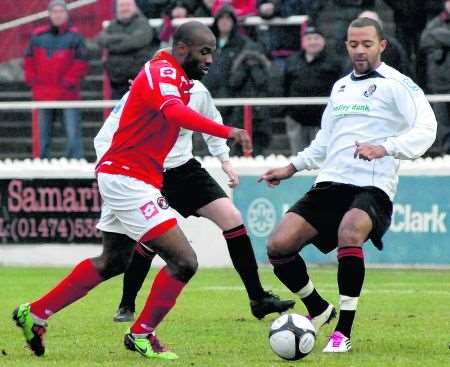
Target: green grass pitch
(403, 320)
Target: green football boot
(33, 333)
(147, 346)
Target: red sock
(81, 280)
(162, 298)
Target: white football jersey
(383, 107)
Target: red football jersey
(144, 137)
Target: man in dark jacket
(128, 40)
(229, 45)
(253, 75)
(410, 20)
(435, 44)
(309, 73)
(54, 65)
(345, 12)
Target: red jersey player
(129, 176)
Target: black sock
(135, 275)
(243, 258)
(291, 270)
(351, 272)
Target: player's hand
(274, 176)
(233, 178)
(241, 136)
(130, 83)
(368, 152)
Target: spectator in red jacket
(55, 63)
(242, 8)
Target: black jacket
(435, 44)
(310, 79)
(217, 80)
(129, 45)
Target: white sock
(306, 290)
(347, 303)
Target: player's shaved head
(193, 33)
(193, 46)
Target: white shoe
(324, 318)
(338, 343)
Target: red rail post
(248, 125)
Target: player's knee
(235, 217)
(109, 265)
(184, 269)
(276, 246)
(350, 236)
(231, 219)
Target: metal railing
(247, 103)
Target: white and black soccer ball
(292, 336)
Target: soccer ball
(292, 336)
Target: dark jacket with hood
(217, 80)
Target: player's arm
(161, 89)
(310, 158)
(216, 146)
(183, 116)
(274, 176)
(314, 155)
(413, 105)
(203, 103)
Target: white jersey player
(375, 117)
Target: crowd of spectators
(291, 61)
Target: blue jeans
(71, 119)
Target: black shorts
(190, 187)
(326, 203)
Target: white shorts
(133, 207)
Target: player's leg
(282, 249)
(228, 218)
(133, 279)
(32, 318)
(353, 232)
(175, 250)
(368, 216)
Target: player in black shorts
(375, 116)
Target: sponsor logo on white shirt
(354, 108)
(371, 90)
